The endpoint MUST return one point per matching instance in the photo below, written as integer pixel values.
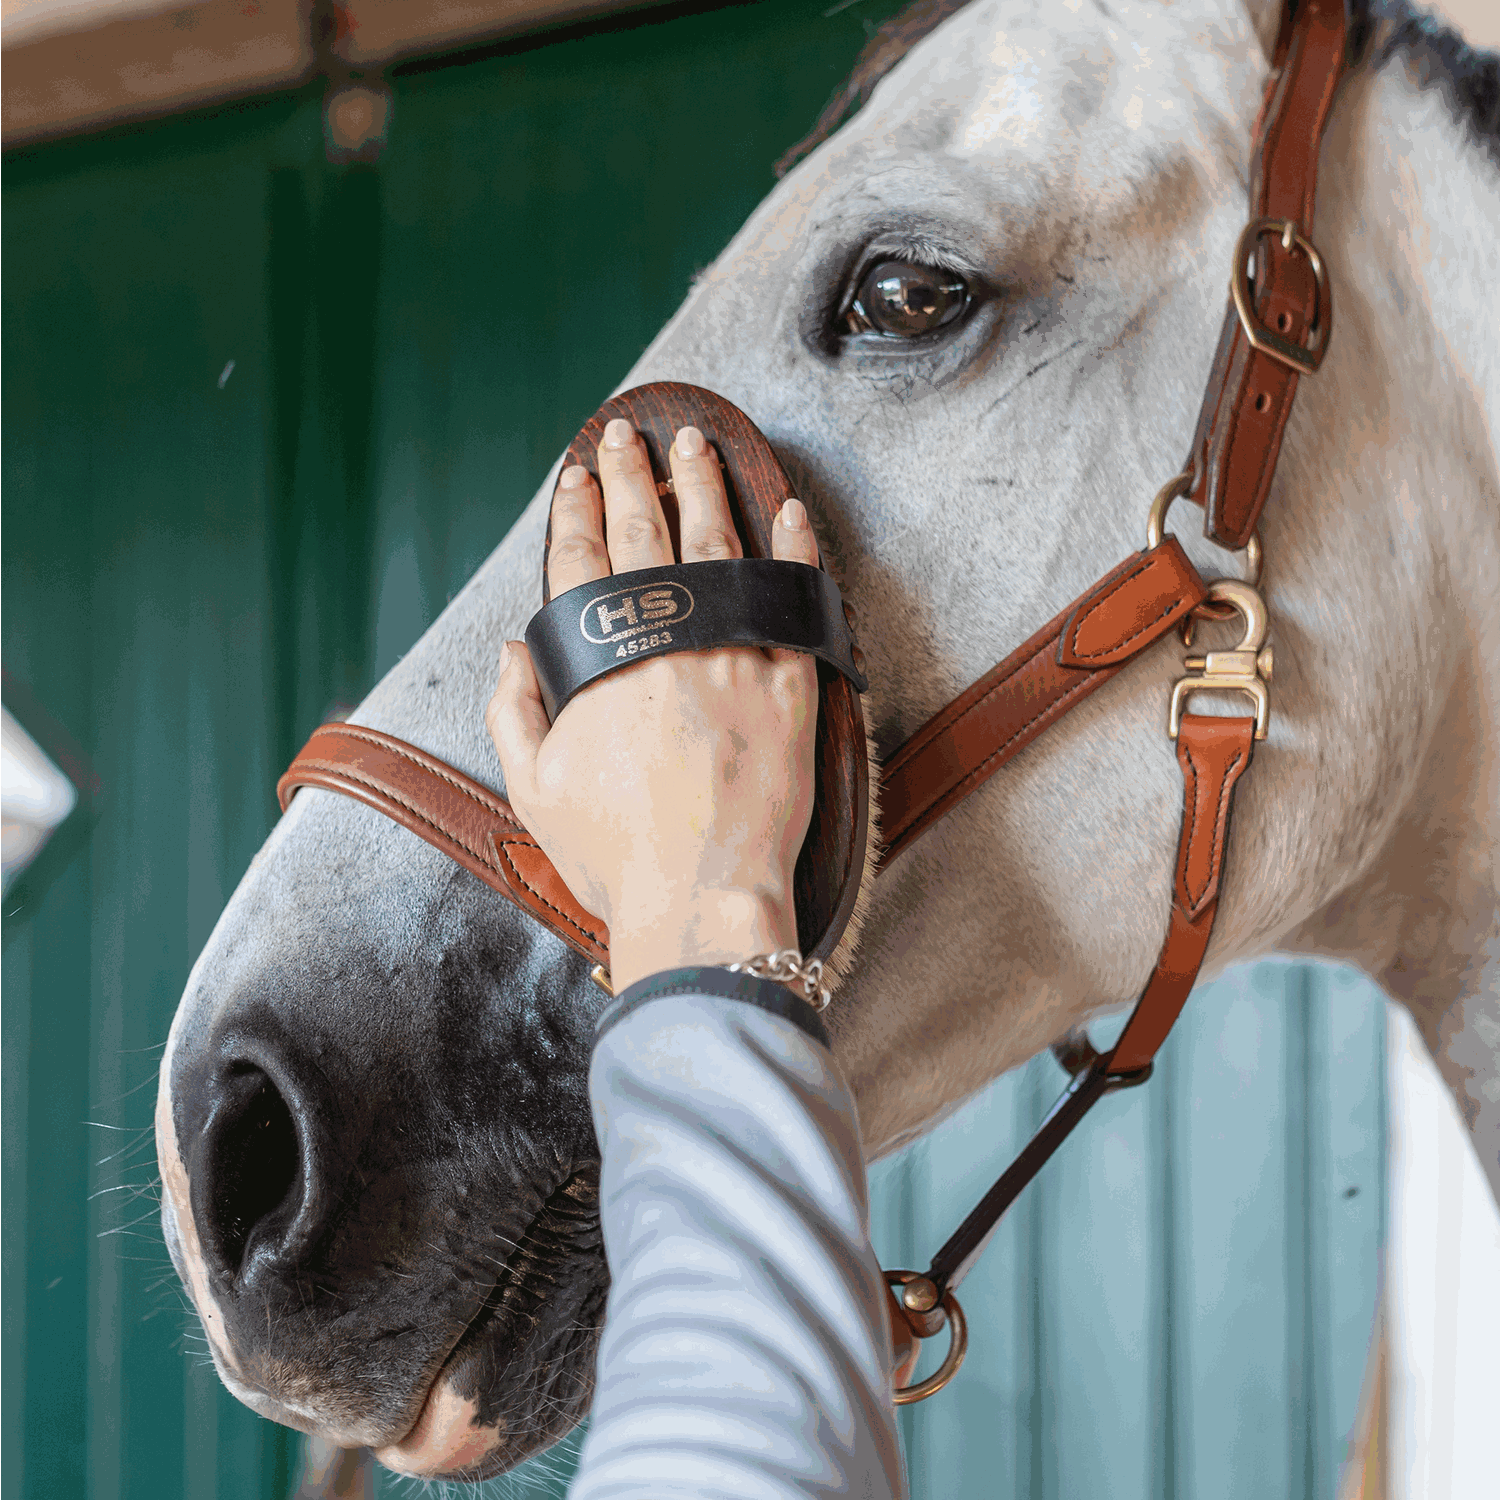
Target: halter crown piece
(1276, 330)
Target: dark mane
(1435, 56)
(1380, 32)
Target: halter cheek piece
(1276, 330)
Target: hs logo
(624, 613)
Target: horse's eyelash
(919, 250)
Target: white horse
(372, 1123)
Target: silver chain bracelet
(786, 967)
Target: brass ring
(1156, 519)
(958, 1346)
(1156, 529)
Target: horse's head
(373, 1125)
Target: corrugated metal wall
(263, 417)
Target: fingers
(517, 723)
(792, 540)
(634, 525)
(630, 514)
(707, 530)
(792, 537)
(576, 554)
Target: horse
(379, 1171)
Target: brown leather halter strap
(1213, 754)
(470, 824)
(1232, 460)
(955, 752)
(1261, 356)
(961, 747)
(1276, 330)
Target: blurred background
(301, 301)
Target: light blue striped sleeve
(746, 1352)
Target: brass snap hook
(1246, 669)
(920, 1298)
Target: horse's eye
(904, 301)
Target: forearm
(746, 1351)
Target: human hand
(674, 794)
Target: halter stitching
(1105, 599)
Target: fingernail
(504, 655)
(575, 476)
(618, 433)
(690, 442)
(794, 515)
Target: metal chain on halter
(786, 967)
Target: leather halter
(1276, 329)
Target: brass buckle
(1246, 669)
(1304, 359)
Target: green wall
(200, 561)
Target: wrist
(716, 926)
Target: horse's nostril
(254, 1163)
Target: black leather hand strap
(743, 601)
